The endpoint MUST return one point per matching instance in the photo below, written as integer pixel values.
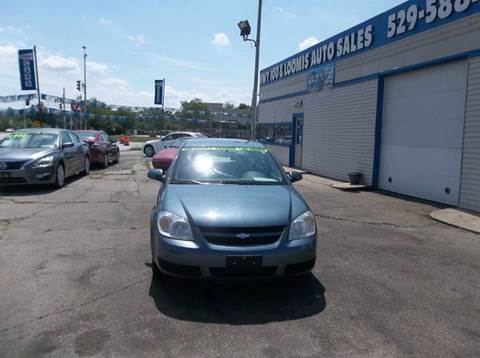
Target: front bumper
(44, 175)
(200, 259)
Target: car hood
(7, 154)
(234, 205)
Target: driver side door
(68, 153)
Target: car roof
(222, 142)
(192, 133)
(41, 130)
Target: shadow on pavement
(239, 303)
(36, 189)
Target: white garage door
(422, 133)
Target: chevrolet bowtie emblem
(243, 236)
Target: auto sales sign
(407, 19)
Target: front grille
(14, 165)
(244, 236)
(12, 181)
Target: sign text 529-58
(406, 19)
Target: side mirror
(68, 145)
(156, 174)
(295, 176)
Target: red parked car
(164, 158)
(102, 151)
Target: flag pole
(36, 74)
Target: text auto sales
(356, 41)
(412, 16)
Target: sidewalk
(457, 218)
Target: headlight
(302, 227)
(174, 226)
(44, 162)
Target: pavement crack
(372, 223)
(72, 308)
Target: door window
(73, 137)
(66, 138)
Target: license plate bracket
(244, 264)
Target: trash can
(355, 178)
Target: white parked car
(154, 146)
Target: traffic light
(79, 85)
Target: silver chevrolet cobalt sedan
(226, 209)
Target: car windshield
(18, 140)
(227, 165)
(87, 135)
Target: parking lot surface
(389, 281)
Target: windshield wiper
(189, 181)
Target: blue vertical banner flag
(159, 91)
(27, 70)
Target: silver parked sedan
(42, 156)
(152, 147)
(226, 209)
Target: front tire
(105, 161)
(86, 166)
(149, 151)
(117, 158)
(59, 176)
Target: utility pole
(63, 110)
(84, 73)
(245, 31)
(84, 87)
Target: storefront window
(265, 133)
(283, 134)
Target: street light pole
(84, 86)
(255, 81)
(245, 31)
(85, 73)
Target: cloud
(8, 51)
(138, 40)
(220, 39)
(95, 67)
(105, 21)
(59, 64)
(10, 29)
(308, 42)
(282, 12)
(182, 63)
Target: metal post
(63, 110)
(36, 74)
(85, 74)
(24, 109)
(84, 121)
(255, 81)
(163, 102)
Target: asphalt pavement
(389, 280)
